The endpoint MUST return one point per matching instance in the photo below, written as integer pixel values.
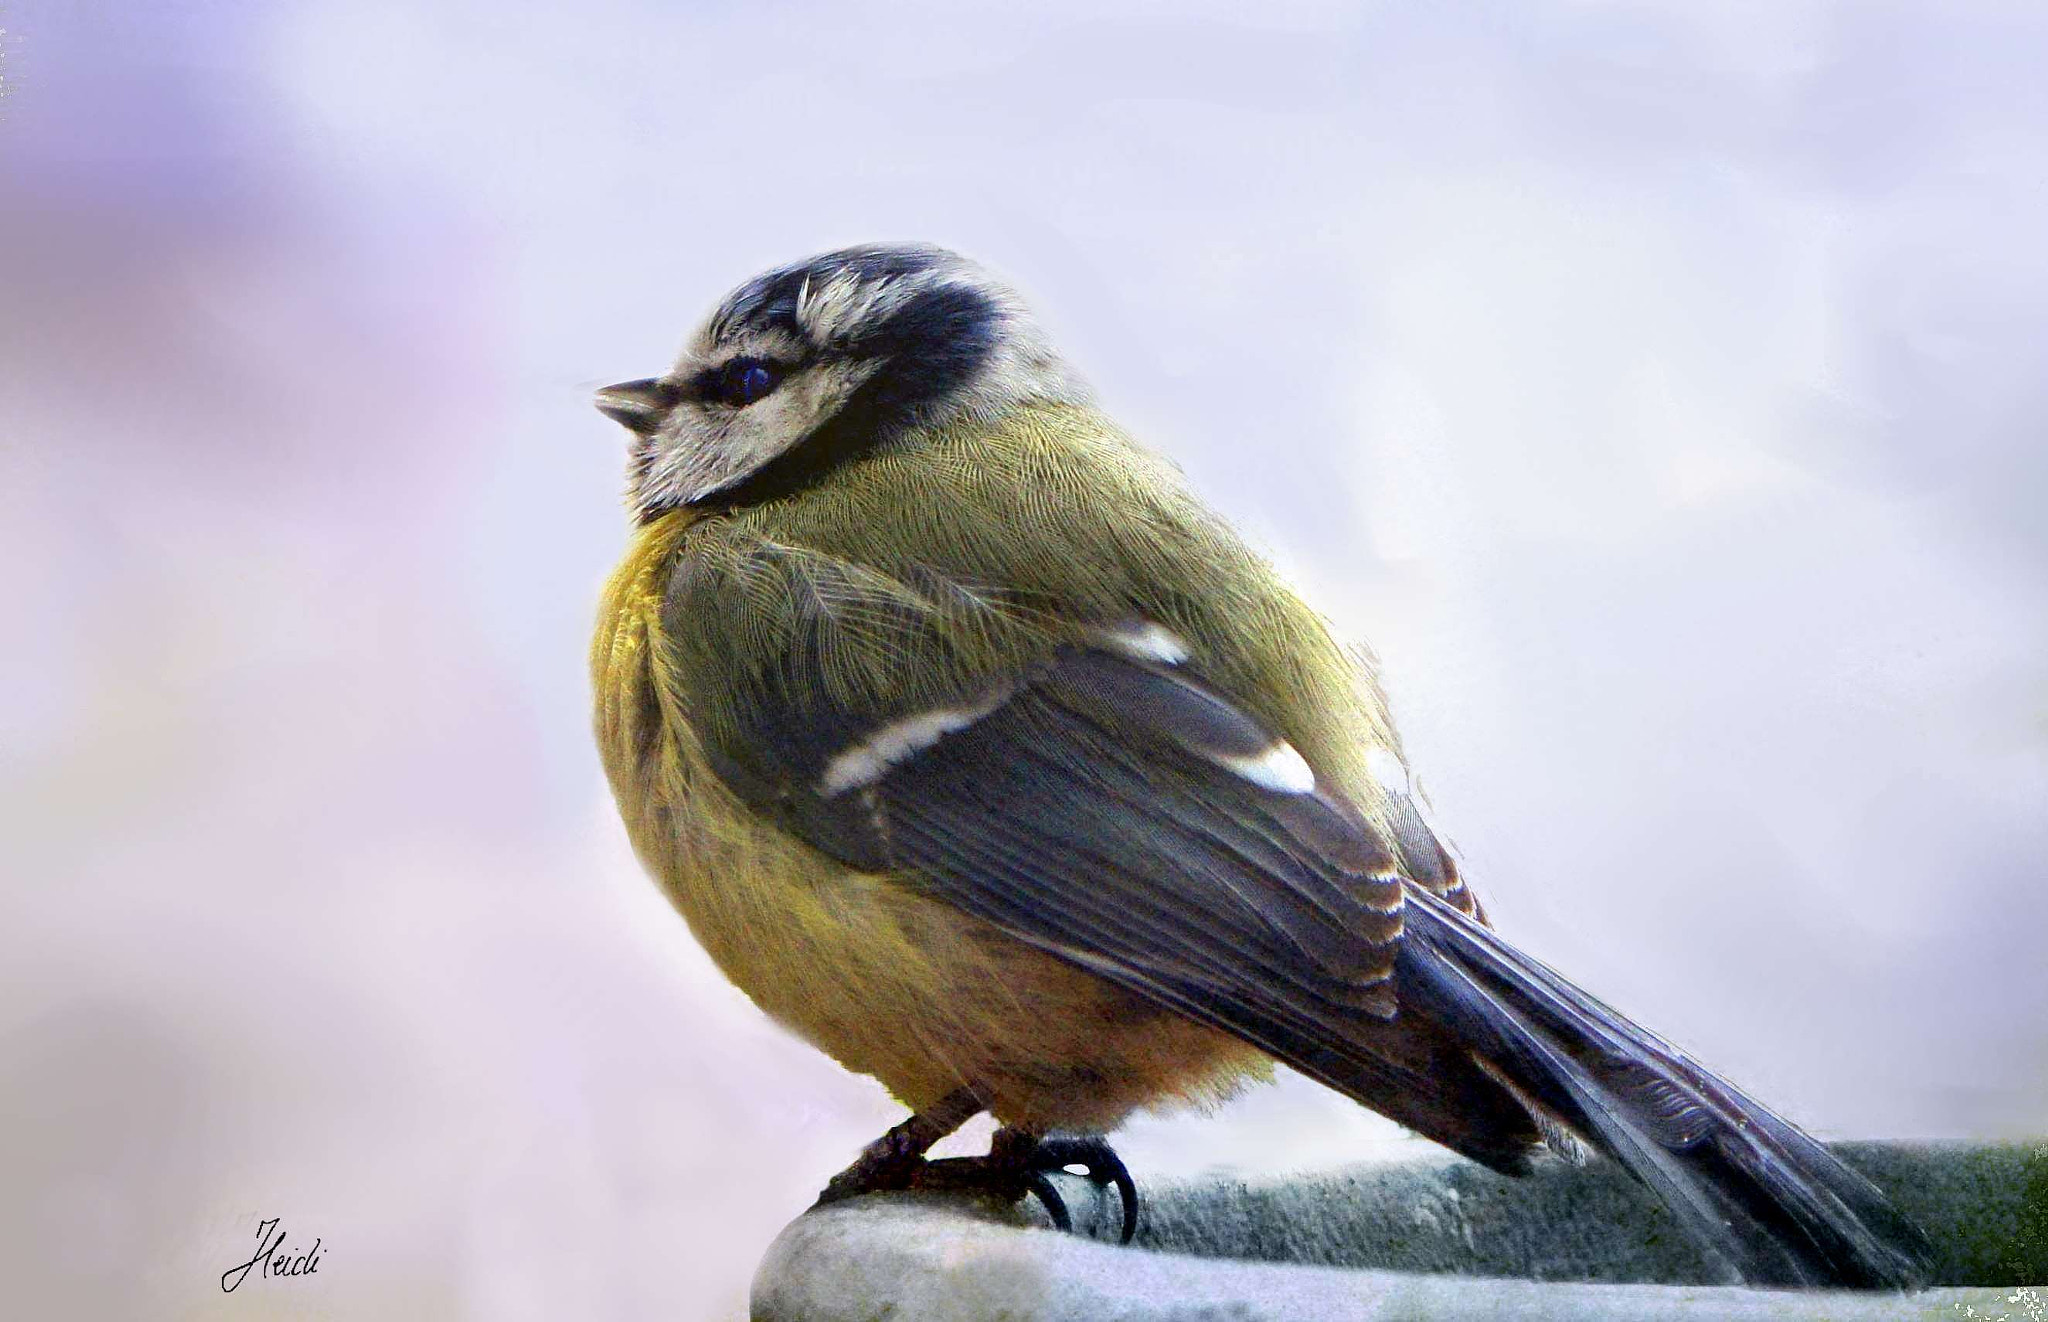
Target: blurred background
(1658, 387)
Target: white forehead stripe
(1387, 769)
(1278, 768)
(869, 760)
(1146, 641)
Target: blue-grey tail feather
(1772, 1202)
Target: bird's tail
(1778, 1206)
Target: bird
(978, 751)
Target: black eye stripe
(740, 381)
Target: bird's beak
(638, 406)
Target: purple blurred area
(1659, 388)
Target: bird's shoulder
(983, 547)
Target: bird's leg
(891, 1161)
(1020, 1162)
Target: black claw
(1055, 1206)
(1018, 1165)
(1127, 1194)
(1104, 1167)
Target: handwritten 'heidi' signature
(273, 1257)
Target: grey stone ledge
(1437, 1239)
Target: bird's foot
(1020, 1163)
(891, 1161)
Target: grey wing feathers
(1093, 812)
(1122, 815)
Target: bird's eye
(744, 380)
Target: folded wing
(1111, 808)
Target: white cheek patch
(1143, 640)
(1279, 768)
(869, 760)
(1387, 770)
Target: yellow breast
(886, 981)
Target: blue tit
(983, 755)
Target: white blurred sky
(1659, 389)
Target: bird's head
(825, 357)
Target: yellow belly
(888, 982)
